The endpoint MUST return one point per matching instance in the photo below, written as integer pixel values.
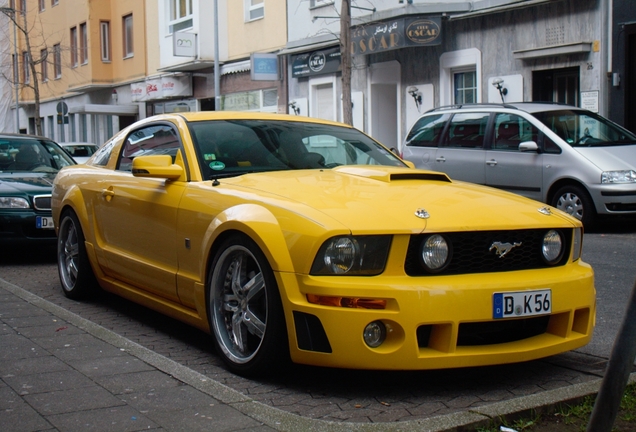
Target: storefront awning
(553, 50)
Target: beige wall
(263, 35)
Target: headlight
(435, 253)
(352, 255)
(14, 203)
(627, 176)
(552, 247)
(578, 244)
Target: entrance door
(384, 124)
(556, 85)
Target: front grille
(497, 332)
(42, 202)
(472, 252)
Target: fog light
(374, 334)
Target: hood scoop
(392, 174)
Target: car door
(137, 216)
(508, 167)
(461, 152)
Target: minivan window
(511, 130)
(467, 130)
(585, 129)
(427, 130)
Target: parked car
(80, 151)
(291, 237)
(28, 165)
(571, 158)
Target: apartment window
(318, 3)
(41, 4)
(83, 43)
(57, 61)
(15, 69)
(128, 36)
(23, 7)
(254, 9)
(180, 15)
(26, 78)
(465, 87)
(104, 32)
(43, 65)
(73, 46)
(54, 2)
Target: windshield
(32, 155)
(585, 129)
(232, 147)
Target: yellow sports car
(291, 238)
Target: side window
(427, 130)
(466, 130)
(511, 130)
(151, 140)
(550, 146)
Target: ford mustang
(291, 238)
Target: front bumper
(20, 227)
(614, 198)
(437, 322)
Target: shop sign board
(264, 67)
(396, 33)
(319, 62)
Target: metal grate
(42, 202)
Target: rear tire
(575, 201)
(245, 309)
(76, 275)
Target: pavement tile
(21, 309)
(9, 398)
(169, 399)
(114, 419)
(146, 381)
(16, 347)
(104, 366)
(47, 382)
(6, 329)
(91, 350)
(32, 365)
(67, 401)
(23, 418)
(53, 328)
(217, 418)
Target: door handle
(441, 159)
(491, 162)
(108, 194)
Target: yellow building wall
(264, 35)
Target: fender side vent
(310, 333)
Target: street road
(364, 396)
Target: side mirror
(529, 146)
(156, 166)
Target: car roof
(24, 136)
(529, 107)
(66, 144)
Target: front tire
(575, 201)
(245, 309)
(76, 275)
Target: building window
(23, 7)
(15, 69)
(180, 15)
(128, 36)
(41, 4)
(254, 9)
(51, 127)
(318, 3)
(104, 28)
(54, 2)
(73, 46)
(465, 87)
(57, 61)
(44, 71)
(26, 78)
(83, 43)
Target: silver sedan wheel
(238, 304)
(571, 203)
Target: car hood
(611, 158)
(386, 199)
(26, 183)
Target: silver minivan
(568, 157)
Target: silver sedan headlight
(626, 176)
(352, 255)
(14, 203)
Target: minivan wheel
(575, 201)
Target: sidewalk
(61, 372)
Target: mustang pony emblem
(503, 248)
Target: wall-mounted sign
(161, 88)
(184, 44)
(394, 34)
(589, 100)
(264, 67)
(316, 62)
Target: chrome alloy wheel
(68, 254)
(239, 304)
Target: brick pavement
(356, 397)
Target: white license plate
(44, 222)
(522, 303)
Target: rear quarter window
(427, 130)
